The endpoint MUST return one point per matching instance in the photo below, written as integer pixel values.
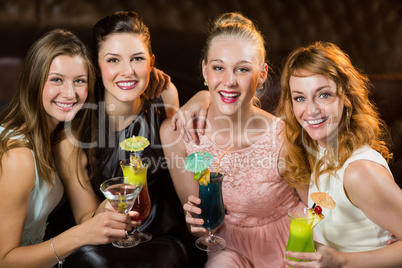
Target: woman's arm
(71, 163)
(160, 81)
(195, 109)
(185, 185)
(370, 187)
(170, 99)
(17, 180)
(175, 153)
(192, 116)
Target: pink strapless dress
(256, 227)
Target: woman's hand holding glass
(323, 257)
(192, 215)
(131, 214)
(105, 227)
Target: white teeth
(229, 95)
(315, 122)
(126, 84)
(64, 105)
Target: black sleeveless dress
(172, 245)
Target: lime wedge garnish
(199, 174)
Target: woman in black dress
(124, 58)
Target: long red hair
(360, 124)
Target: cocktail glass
(143, 202)
(212, 212)
(121, 196)
(301, 238)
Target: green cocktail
(301, 238)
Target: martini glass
(122, 197)
(142, 203)
(212, 212)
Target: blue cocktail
(212, 212)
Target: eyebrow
(118, 55)
(240, 62)
(55, 74)
(318, 90)
(59, 74)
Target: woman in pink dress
(256, 196)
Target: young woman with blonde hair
(255, 194)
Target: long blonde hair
(25, 114)
(360, 124)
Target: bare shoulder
(367, 171)
(264, 116)
(18, 168)
(370, 187)
(364, 179)
(19, 158)
(266, 121)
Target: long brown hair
(360, 124)
(25, 114)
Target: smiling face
(65, 90)
(233, 72)
(125, 65)
(316, 105)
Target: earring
(260, 86)
(205, 83)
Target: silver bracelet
(60, 265)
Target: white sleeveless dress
(42, 200)
(346, 228)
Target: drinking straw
(219, 161)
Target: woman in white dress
(335, 143)
(56, 78)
